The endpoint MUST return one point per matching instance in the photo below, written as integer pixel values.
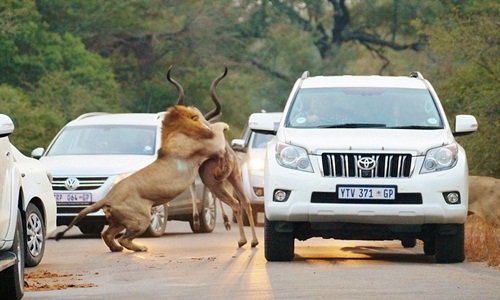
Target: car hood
(314, 140)
(95, 165)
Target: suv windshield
(105, 139)
(364, 108)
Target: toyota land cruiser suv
(365, 158)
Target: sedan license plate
(73, 197)
(367, 192)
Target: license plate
(367, 192)
(73, 197)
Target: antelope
(215, 171)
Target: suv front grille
(83, 183)
(346, 165)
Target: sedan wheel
(159, 215)
(208, 213)
(35, 236)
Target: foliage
(62, 58)
(47, 75)
(465, 45)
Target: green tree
(48, 73)
(464, 45)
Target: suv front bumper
(433, 208)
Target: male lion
(187, 141)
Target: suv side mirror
(465, 124)
(37, 153)
(262, 123)
(6, 125)
(238, 144)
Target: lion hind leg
(108, 237)
(134, 230)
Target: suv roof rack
(91, 114)
(304, 75)
(416, 74)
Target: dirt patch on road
(42, 280)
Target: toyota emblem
(71, 184)
(366, 163)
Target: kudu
(215, 171)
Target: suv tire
(409, 242)
(35, 236)
(12, 278)
(450, 244)
(278, 246)
(208, 213)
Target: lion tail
(83, 213)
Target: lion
(187, 141)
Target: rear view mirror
(465, 124)
(6, 125)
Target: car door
(6, 167)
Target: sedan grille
(81, 183)
(386, 165)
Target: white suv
(365, 158)
(251, 151)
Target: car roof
(363, 81)
(118, 119)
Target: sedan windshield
(364, 108)
(105, 139)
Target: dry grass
(482, 241)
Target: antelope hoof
(241, 243)
(196, 223)
(254, 243)
(227, 225)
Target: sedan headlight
(293, 157)
(439, 159)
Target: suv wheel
(278, 246)
(208, 213)
(91, 228)
(12, 278)
(159, 216)
(409, 242)
(430, 246)
(35, 236)
(450, 244)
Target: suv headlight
(439, 159)
(293, 157)
(256, 164)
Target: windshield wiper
(353, 125)
(414, 127)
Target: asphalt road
(183, 265)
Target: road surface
(183, 265)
